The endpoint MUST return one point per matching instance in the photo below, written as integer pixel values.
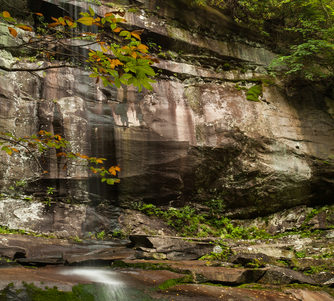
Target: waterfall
(110, 285)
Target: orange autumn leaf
(15, 150)
(118, 29)
(112, 170)
(53, 24)
(108, 14)
(137, 36)
(25, 27)
(6, 14)
(62, 154)
(117, 168)
(142, 48)
(39, 14)
(68, 18)
(99, 161)
(12, 31)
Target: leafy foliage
(35, 146)
(302, 31)
(187, 222)
(116, 56)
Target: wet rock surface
(39, 251)
(173, 279)
(57, 219)
(194, 137)
(172, 248)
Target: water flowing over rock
(195, 136)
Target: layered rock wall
(195, 137)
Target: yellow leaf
(116, 62)
(6, 14)
(12, 31)
(134, 55)
(99, 161)
(137, 36)
(88, 21)
(25, 27)
(117, 168)
(142, 48)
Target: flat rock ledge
(233, 279)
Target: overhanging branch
(23, 69)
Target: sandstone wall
(195, 136)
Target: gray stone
(176, 248)
(308, 295)
(59, 219)
(277, 275)
(251, 260)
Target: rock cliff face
(195, 136)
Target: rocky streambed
(39, 267)
(286, 256)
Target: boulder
(57, 219)
(175, 248)
(251, 260)
(38, 251)
(280, 276)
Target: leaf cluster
(302, 31)
(116, 55)
(35, 146)
(188, 222)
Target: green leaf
(88, 21)
(92, 12)
(124, 33)
(110, 181)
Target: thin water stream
(108, 285)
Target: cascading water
(109, 285)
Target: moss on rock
(254, 93)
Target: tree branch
(25, 147)
(22, 69)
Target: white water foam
(110, 286)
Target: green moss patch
(78, 293)
(254, 93)
(172, 282)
